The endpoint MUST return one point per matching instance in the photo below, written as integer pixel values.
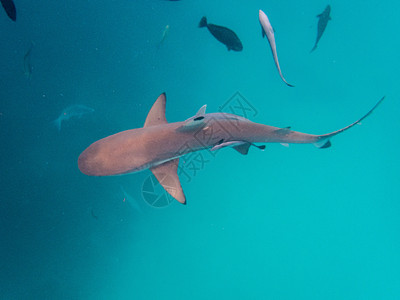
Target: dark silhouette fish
(10, 9)
(223, 34)
(322, 22)
(27, 62)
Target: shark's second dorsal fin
(167, 176)
(156, 115)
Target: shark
(158, 145)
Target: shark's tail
(323, 140)
(203, 22)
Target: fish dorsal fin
(201, 111)
(156, 115)
(167, 176)
(194, 123)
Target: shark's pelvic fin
(156, 114)
(240, 146)
(167, 176)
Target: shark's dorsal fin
(194, 123)
(167, 176)
(201, 111)
(156, 115)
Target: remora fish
(322, 23)
(223, 34)
(10, 9)
(159, 144)
(164, 35)
(72, 111)
(268, 31)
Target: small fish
(10, 9)
(72, 111)
(223, 34)
(164, 36)
(267, 30)
(322, 23)
(27, 62)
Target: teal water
(284, 223)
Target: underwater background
(285, 223)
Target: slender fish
(268, 31)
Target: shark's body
(324, 18)
(159, 144)
(267, 30)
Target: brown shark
(159, 144)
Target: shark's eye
(198, 118)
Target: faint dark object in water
(27, 62)
(10, 9)
(93, 215)
(72, 111)
(223, 34)
(324, 17)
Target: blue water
(284, 223)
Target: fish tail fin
(315, 47)
(57, 123)
(203, 22)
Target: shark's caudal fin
(166, 173)
(323, 140)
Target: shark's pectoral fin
(167, 176)
(156, 114)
